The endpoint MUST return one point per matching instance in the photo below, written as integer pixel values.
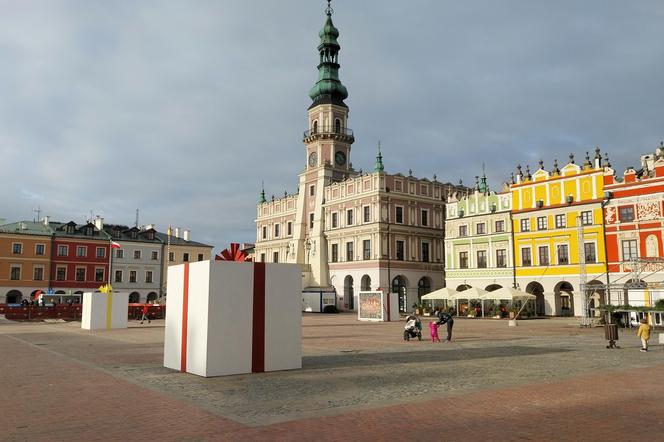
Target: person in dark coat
(446, 318)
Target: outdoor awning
(508, 293)
(472, 293)
(444, 293)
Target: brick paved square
(543, 380)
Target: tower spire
(328, 88)
(262, 199)
(379, 161)
(483, 186)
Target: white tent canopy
(444, 293)
(472, 293)
(508, 293)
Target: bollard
(611, 335)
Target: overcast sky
(181, 108)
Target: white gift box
(226, 317)
(105, 311)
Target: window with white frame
(61, 273)
(38, 273)
(101, 252)
(563, 254)
(118, 276)
(561, 221)
(543, 255)
(526, 258)
(132, 276)
(587, 218)
(349, 251)
(589, 249)
(481, 259)
(119, 253)
(630, 250)
(137, 254)
(80, 274)
(424, 217)
(500, 225)
(15, 273)
(425, 252)
(366, 249)
(525, 225)
(335, 252)
(501, 258)
(463, 260)
(366, 213)
(626, 214)
(480, 228)
(81, 251)
(148, 277)
(463, 230)
(63, 250)
(400, 251)
(40, 249)
(541, 223)
(154, 255)
(398, 215)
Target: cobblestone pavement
(543, 380)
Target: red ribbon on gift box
(257, 327)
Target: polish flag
(115, 245)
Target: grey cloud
(182, 108)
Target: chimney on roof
(177, 232)
(98, 222)
(45, 221)
(185, 234)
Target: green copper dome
(329, 34)
(328, 88)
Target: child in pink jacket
(433, 330)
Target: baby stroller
(413, 328)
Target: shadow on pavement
(350, 358)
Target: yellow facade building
(559, 235)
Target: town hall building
(350, 230)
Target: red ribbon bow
(234, 254)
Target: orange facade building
(25, 253)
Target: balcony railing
(330, 131)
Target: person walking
(644, 334)
(446, 318)
(145, 316)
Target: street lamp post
(389, 276)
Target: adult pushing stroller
(413, 328)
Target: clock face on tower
(340, 158)
(313, 159)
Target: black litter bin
(611, 334)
